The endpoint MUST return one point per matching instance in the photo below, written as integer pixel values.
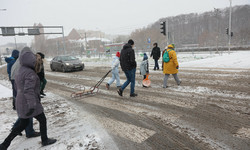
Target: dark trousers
(156, 64)
(23, 124)
(29, 129)
(43, 84)
(130, 74)
(14, 92)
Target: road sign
(33, 32)
(8, 31)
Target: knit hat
(131, 42)
(41, 54)
(118, 54)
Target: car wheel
(82, 66)
(51, 67)
(63, 69)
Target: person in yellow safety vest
(170, 67)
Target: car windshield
(68, 58)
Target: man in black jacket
(41, 76)
(156, 53)
(128, 65)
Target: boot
(120, 92)
(48, 142)
(42, 93)
(107, 86)
(35, 134)
(133, 95)
(2, 147)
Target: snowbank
(70, 125)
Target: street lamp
(230, 26)
(217, 36)
(3, 9)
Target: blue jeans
(156, 64)
(29, 129)
(130, 74)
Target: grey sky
(110, 16)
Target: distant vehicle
(66, 63)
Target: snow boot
(48, 142)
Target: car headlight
(67, 64)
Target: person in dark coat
(41, 75)
(29, 130)
(156, 53)
(10, 61)
(128, 65)
(28, 102)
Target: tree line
(207, 29)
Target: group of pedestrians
(25, 69)
(128, 65)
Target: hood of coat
(15, 54)
(27, 58)
(145, 57)
(127, 46)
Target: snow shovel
(92, 90)
(146, 82)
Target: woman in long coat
(170, 67)
(28, 102)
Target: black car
(66, 63)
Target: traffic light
(227, 31)
(163, 28)
(232, 34)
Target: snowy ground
(76, 129)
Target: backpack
(166, 56)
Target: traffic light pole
(230, 26)
(167, 31)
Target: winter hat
(145, 57)
(41, 54)
(171, 46)
(131, 42)
(118, 54)
(15, 53)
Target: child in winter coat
(144, 67)
(115, 71)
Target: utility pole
(167, 31)
(85, 41)
(217, 36)
(15, 42)
(230, 26)
(63, 42)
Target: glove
(177, 67)
(30, 112)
